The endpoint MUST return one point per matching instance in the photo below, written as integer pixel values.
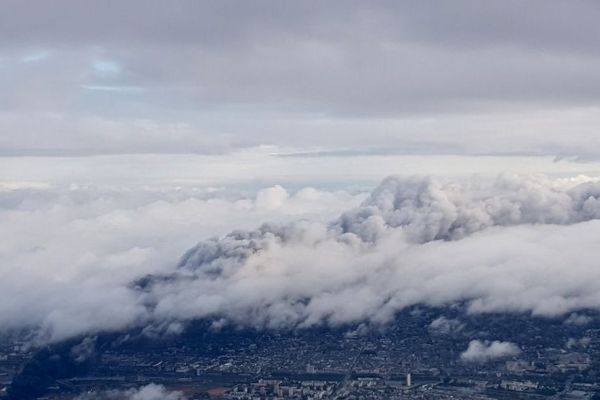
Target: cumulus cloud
(427, 210)
(477, 243)
(69, 253)
(479, 351)
(148, 392)
(413, 241)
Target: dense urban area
(424, 354)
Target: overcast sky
(406, 77)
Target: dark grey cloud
(570, 25)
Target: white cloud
(315, 279)
(69, 253)
(72, 256)
(414, 241)
(479, 351)
(148, 392)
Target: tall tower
(408, 380)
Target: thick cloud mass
(513, 244)
(413, 241)
(429, 211)
(69, 254)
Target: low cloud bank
(479, 351)
(69, 254)
(413, 241)
(514, 244)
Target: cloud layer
(106, 260)
(145, 77)
(413, 241)
(69, 253)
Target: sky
(83, 78)
(303, 163)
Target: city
(422, 355)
